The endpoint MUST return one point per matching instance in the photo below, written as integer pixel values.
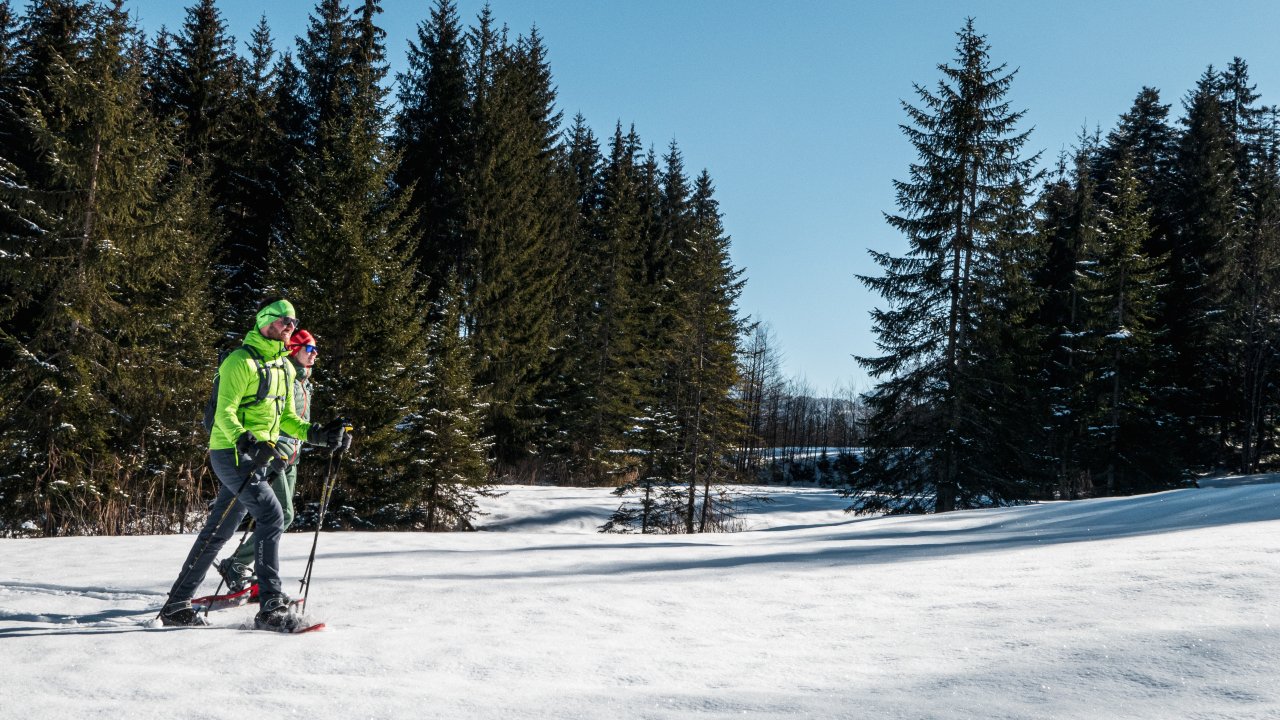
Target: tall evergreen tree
(433, 137)
(1069, 224)
(1007, 370)
(710, 329)
(9, 97)
(200, 85)
(289, 120)
(204, 84)
(662, 279)
(99, 396)
(348, 262)
(8, 36)
(450, 469)
(159, 78)
(50, 32)
(607, 328)
(1144, 136)
(520, 211)
(688, 431)
(922, 439)
(1241, 117)
(570, 399)
(10, 111)
(666, 217)
(1246, 337)
(1201, 258)
(259, 169)
(1255, 307)
(1119, 286)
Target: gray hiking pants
(255, 498)
(283, 486)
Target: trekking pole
(330, 480)
(234, 553)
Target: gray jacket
(302, 390)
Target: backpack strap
(264, 377)
(265, 369)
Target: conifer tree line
(1107, 327)
(497, 293)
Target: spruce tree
(8, 37)
(922, 442)
(1246, 336)
(449, 470)
(710, 329)
(1069, 225)
(159, 79)
(1119, 286)
(108, 289)
(1255, 310)
(666, 216)
(1201, 258)
(1242, 119)
(664, 229)
(9, 96)
(204, 85)
(49, 33)
(433, 137)
(1007, 371)
(347, 264)
(607, 328)
(11, 129)
(289, 120)
(258, 178)
(570, 400)
(520, 211)
(1144, 136)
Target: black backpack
(264, 384)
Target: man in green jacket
(254, 404)
(237, 570)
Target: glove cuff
(316, 435)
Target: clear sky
(794, 109)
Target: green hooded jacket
(238, 389)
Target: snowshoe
(277, 615)
(236, 576)
(228, 600)
(181, 614)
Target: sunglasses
(309, 348)
(287, 320)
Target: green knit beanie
(273, 312)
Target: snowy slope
(1160, 606)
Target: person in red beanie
(238, 569)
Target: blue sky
(794, 109)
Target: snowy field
(1164, 606)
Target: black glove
(330, 434)
(258, 453)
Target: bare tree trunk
(697, 443)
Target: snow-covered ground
(1163, 606)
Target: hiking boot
(236, 576)
(276, 614)
(181, 614)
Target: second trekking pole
(330, 480)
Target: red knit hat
(299, 339)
